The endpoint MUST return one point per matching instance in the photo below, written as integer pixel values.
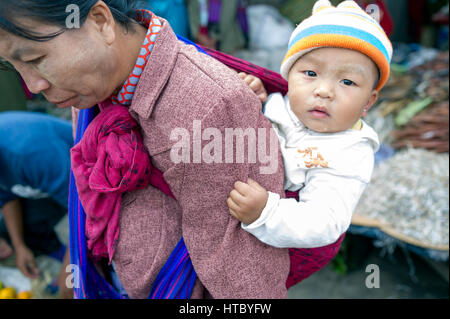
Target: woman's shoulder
(182, 84)
(203, 84)
(216, 73)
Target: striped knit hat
(345, 26)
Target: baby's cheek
(295, 102)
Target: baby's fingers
(233, 208)
(242, 75)
(255, 84)
(233, 213)
(254, 184)
(262, 97)
(243, 188)
(237, 198)
(232, 205)
(248, 79)
(258, 87)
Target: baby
(337, 61)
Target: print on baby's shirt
(313, 158)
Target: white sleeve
(323, 213)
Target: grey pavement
(402, 275)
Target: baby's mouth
(319, 112)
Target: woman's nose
(35, 83)
(324, 90)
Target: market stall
(407, 202)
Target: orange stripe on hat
(346, 42)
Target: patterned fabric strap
(273, 82)
(177, 278)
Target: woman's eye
(348, 82)
(310, 73)
(35, 61)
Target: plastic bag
(268, 29)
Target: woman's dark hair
(54, 12)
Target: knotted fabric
(110, 159)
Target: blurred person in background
(174, 11)
(221, 25)
(34, 184)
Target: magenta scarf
(108, 161)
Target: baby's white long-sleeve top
(331, 171)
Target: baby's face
(331, 88)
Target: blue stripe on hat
(341, 30)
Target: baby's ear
(372, 99)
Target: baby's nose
(324, 89)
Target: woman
(167, 87)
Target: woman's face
(70, 69)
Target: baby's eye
(310, 73)
(348, 82)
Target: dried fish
(429, 129)
(410, 193)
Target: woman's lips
(66, 103)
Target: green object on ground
(398, 68)
(412, 109)
(339, 264)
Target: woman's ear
(101, 17)
(372, 99)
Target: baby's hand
(255, 84)
(247, 201)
